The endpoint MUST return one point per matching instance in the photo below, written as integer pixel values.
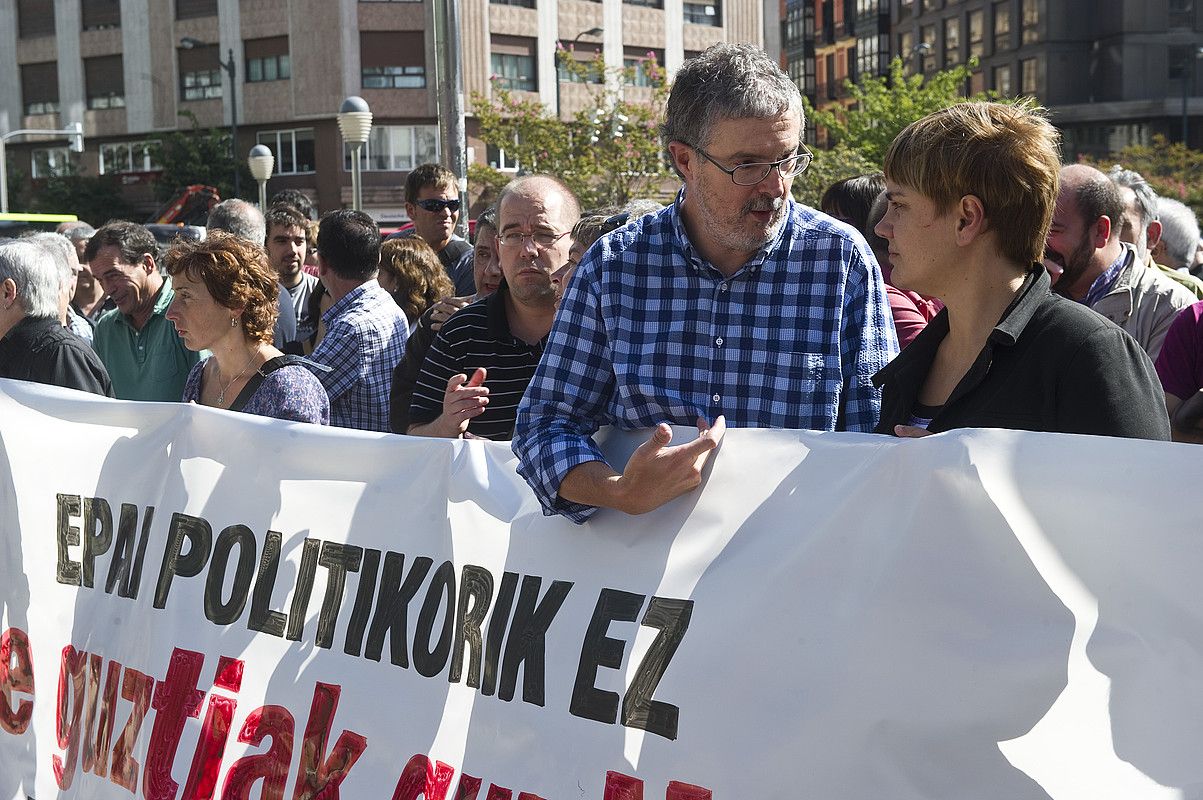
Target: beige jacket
(1193, 284)
(1143, 302)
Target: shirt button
(716, 398)
(722, 287)
(719, 341)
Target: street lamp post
(260, 160)
(76, 132)
(572, 47)
(1188, 82)
(230, 68)
(355, 124)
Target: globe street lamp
(355, 124)
(188, 43)
(260, 160)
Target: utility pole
(450, 94)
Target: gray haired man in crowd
(34, 345)
(1179, 236)
(1142, 227)
(734, 306)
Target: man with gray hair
(735, 305)
(1141, 225)
(1179, 236)
(247, 222)
(34, 346)
(67, 262)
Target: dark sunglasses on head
(615, 222)
(435, 206)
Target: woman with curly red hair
(226, 303)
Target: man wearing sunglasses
(733, 306)
(433, 203)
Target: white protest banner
(198, 604)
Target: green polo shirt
(147, 364)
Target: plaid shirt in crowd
(365, 338)
(648, 333)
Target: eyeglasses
(436, 206)
(752, 174)
(541, 239)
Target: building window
(50, 161)
(128, 157)
(189, 9)
(1182, 13)
(200, 73)
(928, 32)
(952, 41)
(977, 33)
(647, 3)
(392, 59)
(1031, 21)
(1179, 60)
(1002, 80)
(35, 18)
(586, 53)
(512, 61)
(1029, 76)
(39, 88)
(1002, 26)
(499, 160)
(868, 8)
(267, 59)
(869, 52)
(703, 13)
(929, 5)
(396, 148)
(390, 1)
(638, 64)
(104, 82)
(906, 49)
(293, 149)
(99, 15)
(522, 3)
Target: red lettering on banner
(498, 793)
(270, 767)
(468, 787)
(88, 757)
(138, 688)
(96, 748)
(624, 787)
(176, 699)
(14, 644)
(229, 674)
(421, 778)
(319, 776)
(66, 725)
(215, 732)
(686, 791)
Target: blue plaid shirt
(649, 332)
(365, 338)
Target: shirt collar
(1105, 282)
(495, 318)
(1035, 288)
(348, 300)
(695, 260)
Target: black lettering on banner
(600, 650)
(263, 619)
(304, 588)
(670, 617)
(525, 645)
(475, 595)
(338, 559)
(200, 540)
(497, 627)
(392, 604)
(125, 568)
(220, 613)
(428, 661)
(98, 534)
(67, 571)
(361, 612)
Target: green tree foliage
(199, 155)
(883, 106)
(608, 153)
(94, 199)
(1172, 169)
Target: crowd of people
(974, 282)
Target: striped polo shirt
(478, 336)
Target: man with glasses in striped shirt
(733, 306)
